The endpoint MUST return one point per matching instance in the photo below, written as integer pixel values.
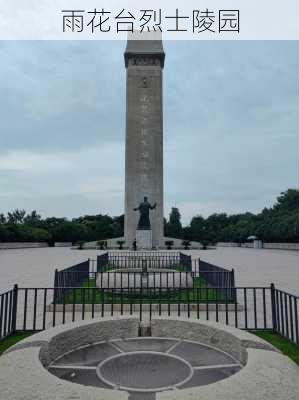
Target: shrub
(186, 244)
(169, 244)
(120, 244)
(102, 244)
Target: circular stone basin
(97, 355)
(145, 365)
(144, 371)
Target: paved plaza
(35, 267)
(257, 267)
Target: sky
(231, 119)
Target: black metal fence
(214, 275)
(140, 260)
(81, 292)
(285, 311)
(186, 261)
(254, 308)
(74, 276)
(8, 312)
(101, 263)
(112, 271)
(147, 253)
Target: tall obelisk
(144, 60)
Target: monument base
(144, 239)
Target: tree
(174, 227)
(279, 223)
(3, 233)
(288, 201)
(68, 231)
(2, 219)
(16, 217)
(33, 219)
(39, 235)
(197, 227)
(118, 226)
(187, 233)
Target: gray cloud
(230, 125)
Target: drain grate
(144, 366)
(145, 371)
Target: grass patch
(284, 345)
(13, 339)
(199, 293)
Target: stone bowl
(183, 358)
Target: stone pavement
(257, 267)
(35, 267)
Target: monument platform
(144, 239)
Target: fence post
(55, 285)
(88, 270)
(273, 305)
(190, 263)
(14, 309)
(232, 285)
(55, 277)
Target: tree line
(18, 226)
(279, 223)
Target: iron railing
(8, 312)
(75, 275)
(285, 311)
(215, 275)
(141, 260)
(147, 253)
(253, 308)
(112, 272)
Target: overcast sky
(231, 118)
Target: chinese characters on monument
(100, 20)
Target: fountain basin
(206, 360)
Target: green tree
(68, 231)
(33, 219)
(279, 223)
(16, 216)
(2, 219)
(173, 226)
(288, 201)
(197, 227)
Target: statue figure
(143, 208)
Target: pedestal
(144, 239)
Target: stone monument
(144, 61)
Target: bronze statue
(143, 208)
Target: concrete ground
(35, 267)
(204, 353)
(256, 267)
